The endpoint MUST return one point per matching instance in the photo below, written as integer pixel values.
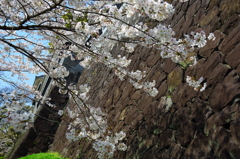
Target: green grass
(48, 155)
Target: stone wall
(178, 123)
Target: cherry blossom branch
(56, 4)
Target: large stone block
(233, 58)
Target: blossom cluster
(59, 72)
(106, 148)
(119, 27)
(92, 124)
(148, 87)
(5, 144)
(158, 10)
(15, 113)
(196, 84)
(178, 50)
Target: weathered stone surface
(136, 95)
(208, 66)
(144, 101)
(182, 94)
(31, 134)
(179, 25)
(211, 45)
(180, 116)
(200, 112)
(234, 127)
(132, 113)
(53, 119)
(205, 3)
(233, 58)
(217, 73)
(213, 3)
(225, 91)
(185, 133)
(162, 89)
(168, 136)
(209, 17)
(127, 90)
(22, 151)
(230, 41)
(177, 17)
(168, 65)
(188, 22)
(198, 148)
(43, 126)
(159, 76)
(152, 59)
(238, 70)
(199, 15)
(214, 121)
(220, 140)
(230, 152)
(119, 126)
(173, 152)
(161, 123)
(230, 23)
(193, 8)
(223, 4)
(231, 8)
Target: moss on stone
(174, 78)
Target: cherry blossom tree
(36, 34)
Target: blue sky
(9, 76)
